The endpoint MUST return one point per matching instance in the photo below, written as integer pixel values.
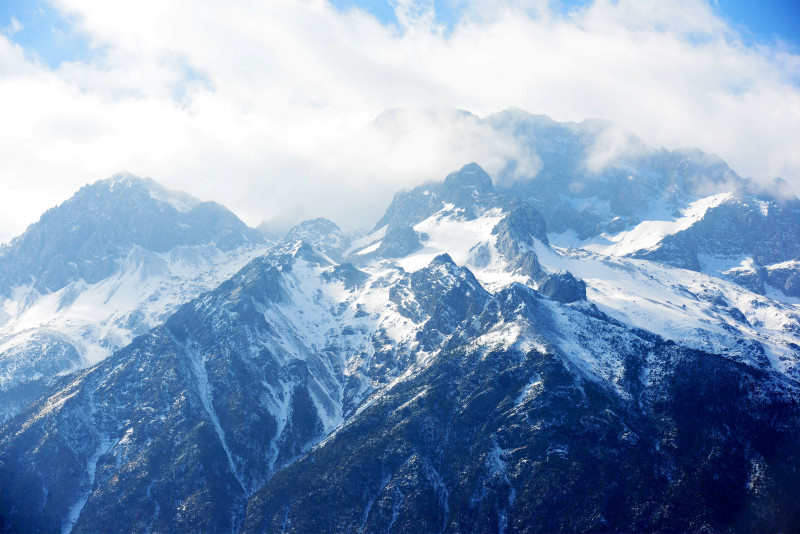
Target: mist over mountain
(600, 336)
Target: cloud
(270, 107)
(13, 27)
(611, 142)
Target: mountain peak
(470, 175)
(85, 236)
(318, 226)
(442, 259)
(124, 177)
(467, 188)
(126, 183)
(321, 233)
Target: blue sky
(763, 21)
(758, 21)
(45, 31)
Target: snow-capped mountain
(608, 192)
(321, 234)
(103, 267)
(506, 357)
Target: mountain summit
(610, 345)
(108, 264)
(85, 237)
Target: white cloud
(13, 27)
(611, 142)
(268, 107)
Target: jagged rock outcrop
(767, 231)
(469, 189)
(563, 287)
(323, 235)
(507, 440)
(515, 235)
(87, 235)
(399, 241)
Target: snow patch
(91, 469)
(659, 223)
(449, 233)
(206, 397)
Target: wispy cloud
(13, 27)
(269, 107)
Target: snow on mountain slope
(105, 266)
(692, 308)
(448, 231)
(271, 362)
(748, 239)
(695, 309)
(323, 235)
(101, 317)
(424, 456)
(370, 241)
(264, 366)
(442, 345)
(660, 222)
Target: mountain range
(609, 345)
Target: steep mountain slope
(176, 397)
(106, 265)
(549, 414)
(454, 372)
(754, 242)
(492, 438)
(259, 369)
(85, 236)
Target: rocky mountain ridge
(103, 267)
(456, 369)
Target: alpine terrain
(103, 267)
(609, 344)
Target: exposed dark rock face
(574, 192)
(563, 287)
(766, 231)
(734, 228)
(508, 441)
(347, 273)
(785, 277)
(470, 189)
(410, 207)
(466, 188)
(126, 253)
(516, 233)
(45, 356)
(522, 224)
(443, 295)
(180, 432)
(179, 427)
(749, 279)
(399, 241)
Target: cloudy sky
(268, 107)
